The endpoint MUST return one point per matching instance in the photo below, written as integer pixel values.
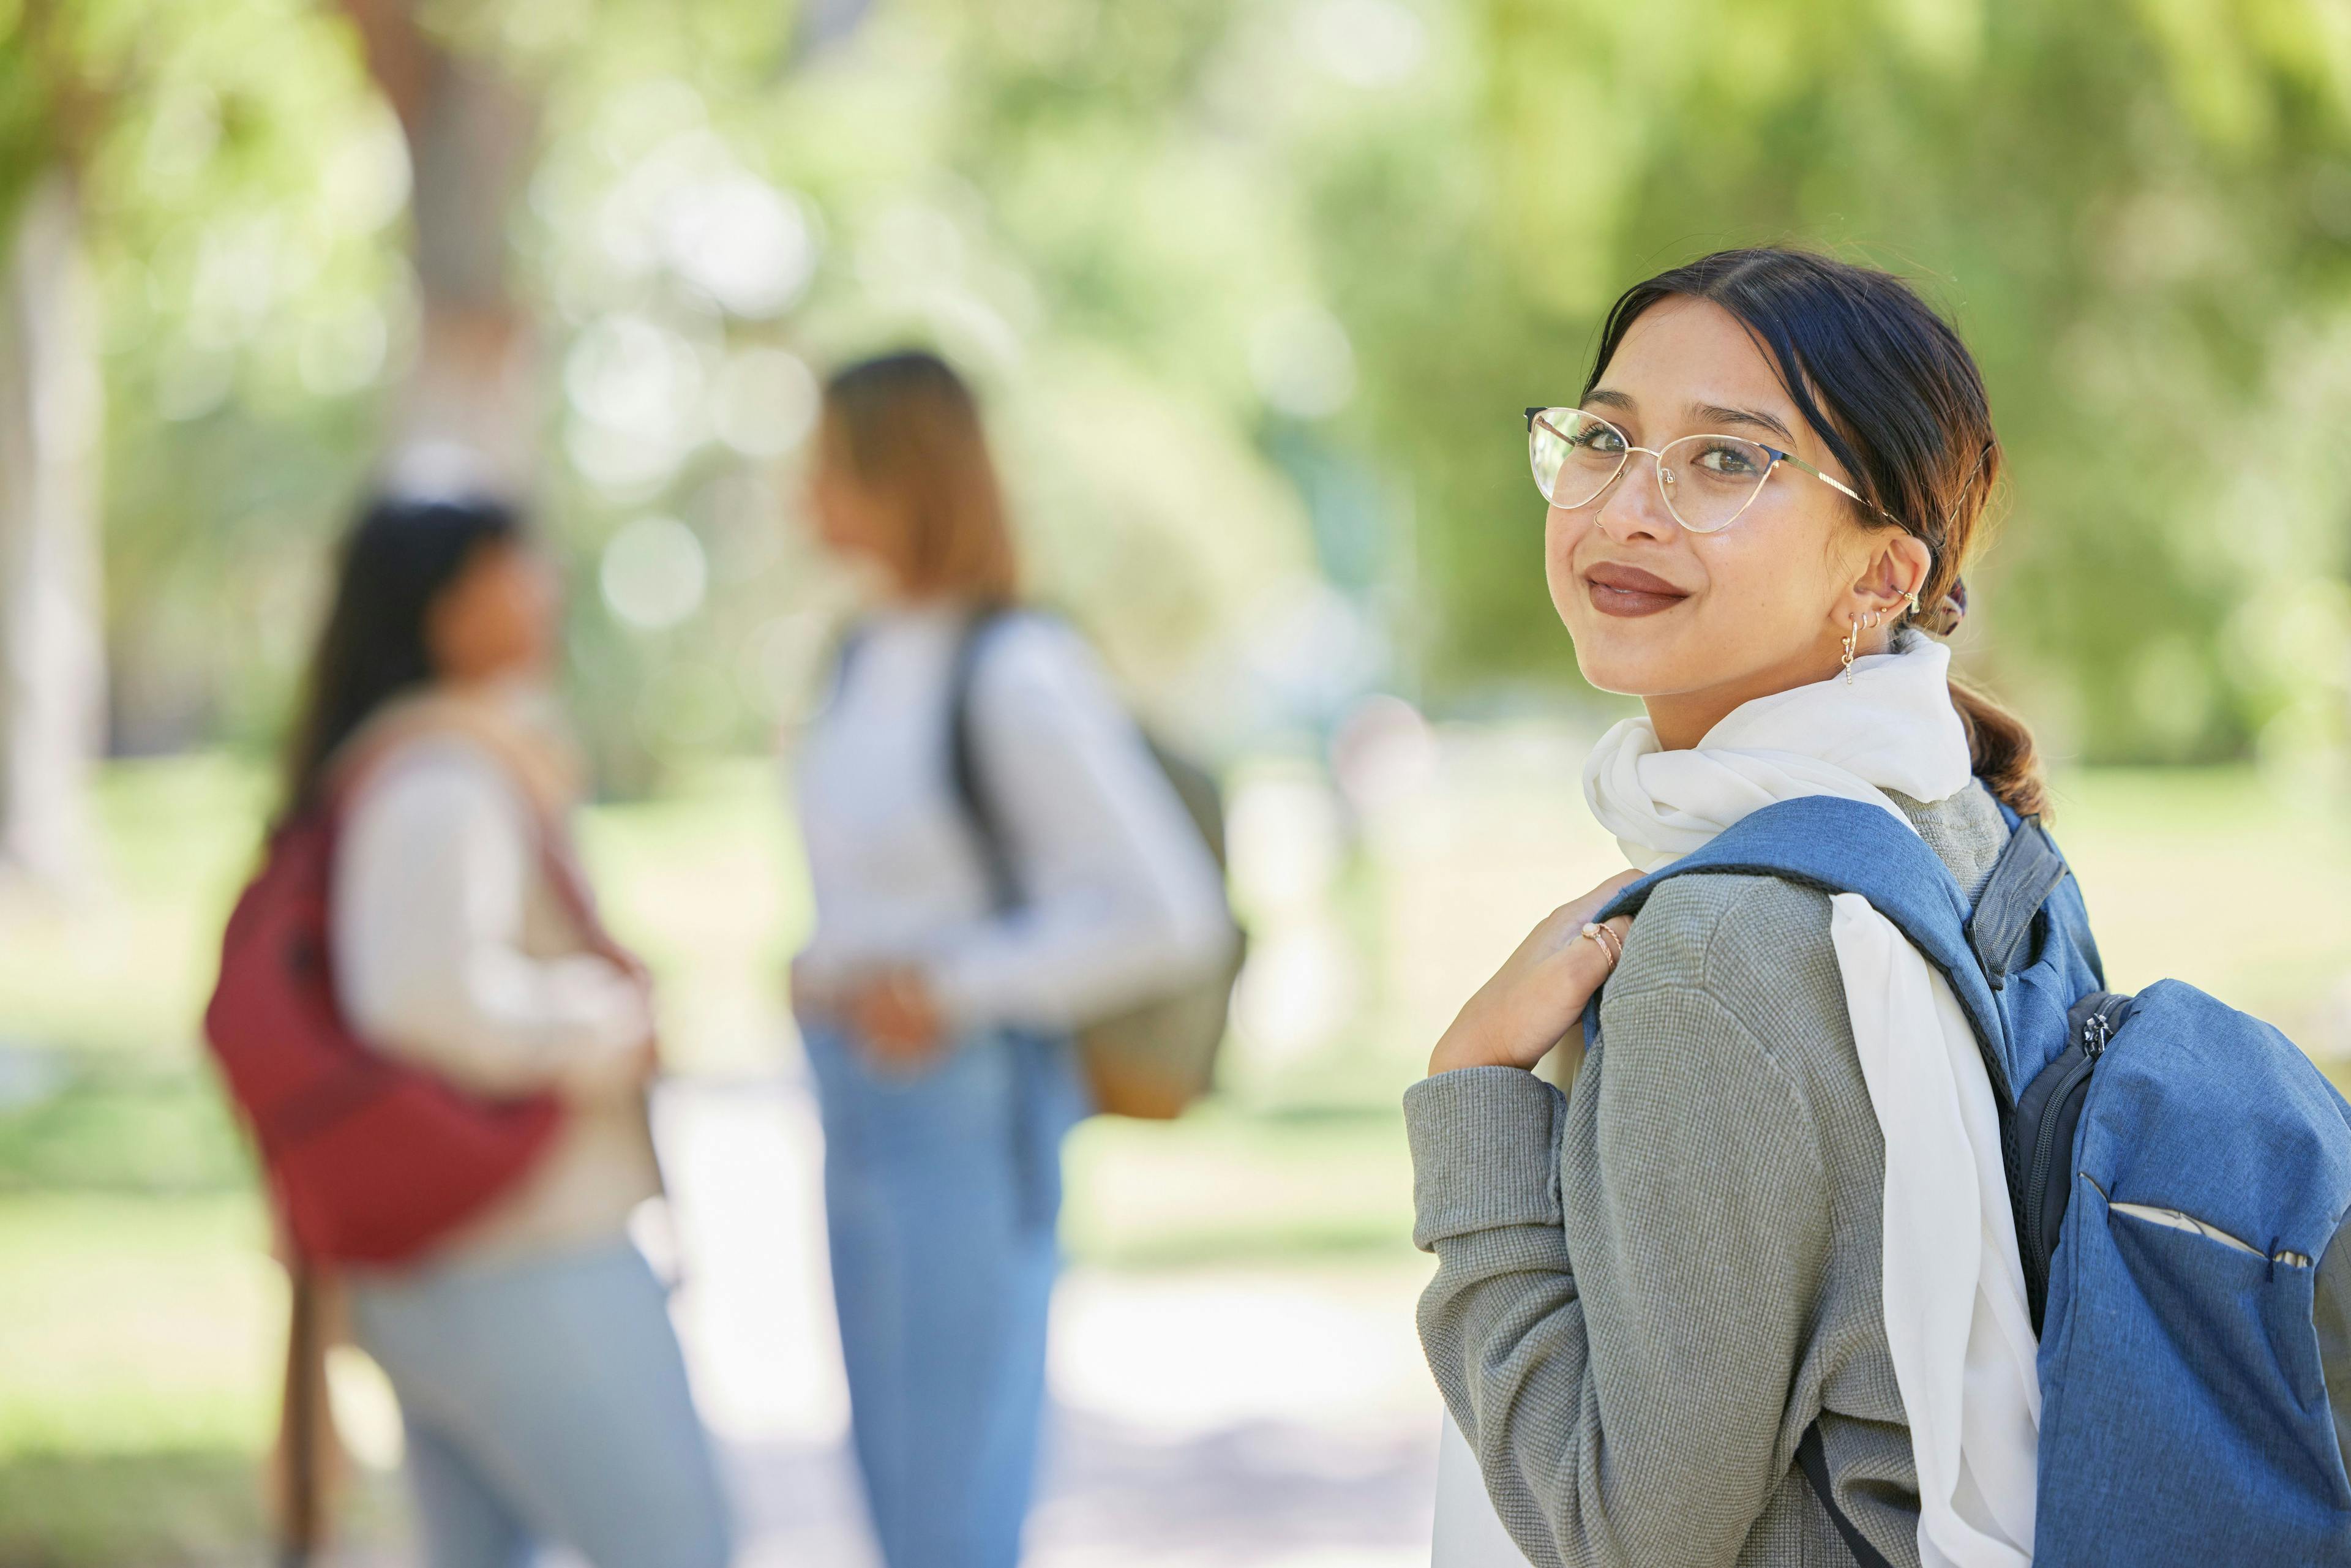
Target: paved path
(1242, 1418)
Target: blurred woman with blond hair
(953, 958)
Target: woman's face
(497, 618)
(854, 520)
(1697, 623)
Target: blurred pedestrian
(540, 1380)
(954, 958)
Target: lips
(1618, 590)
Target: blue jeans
(545, 1400)
(942, 1191)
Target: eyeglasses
(1707, 480)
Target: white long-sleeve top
(451, 947)
(1120, 899)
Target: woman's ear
(1896, 568)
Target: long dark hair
(395, 562)
(1890, 390)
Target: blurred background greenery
(1259, 288)
(1256, 288)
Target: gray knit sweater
(1647, 1289)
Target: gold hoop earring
(1851, 639)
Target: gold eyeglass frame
(1540, 416)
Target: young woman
(937, 1001)
(1650, 1288)
(539, 1380)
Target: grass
(66, 1509)
(106, 1130)
(139, 1311)
(121, 968)
(1228, 1184)
(2216, 878)
(136, 1323)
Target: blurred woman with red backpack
(444, 1060)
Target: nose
(1634, 508)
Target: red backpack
(370, 1158)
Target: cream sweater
(451, 947)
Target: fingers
(1578, 912)
(1595, 950)
(1608, 941)
(1534, 1000)
(1612, 933)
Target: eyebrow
(1705, 413)
(1719, 415)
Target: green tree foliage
(1256, 291)
(2135, 212)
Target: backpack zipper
(2097, 1032)
(2045, 1149)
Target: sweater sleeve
(1625, 1277)
(1121, 898)
(433, 870)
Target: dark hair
(1892, 391)
(909, 425)
(395, 562)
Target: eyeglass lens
(1707, 480)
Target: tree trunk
(52, 638)
(471, 412)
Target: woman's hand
(893, 1014)
(1539, 992)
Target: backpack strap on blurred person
(1156, 1058)
(309, 1454)
(963, 753)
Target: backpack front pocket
(2173, 1312)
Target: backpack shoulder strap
(2029, 870)
(1846, 846)
(847, 645)
(963, 752)
(1812, 1457)
(368, 754)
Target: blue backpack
(2181, 1175)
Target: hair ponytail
(1897, 398)
(2002, 752)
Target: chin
(1625, 677)
(1629, 658)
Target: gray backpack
(1153, 1060)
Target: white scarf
(1963, 1347)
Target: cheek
(824, 504)
(542, 604)
(1758, 610)
(1739, 579)
(1563, 532)
(513, 614)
